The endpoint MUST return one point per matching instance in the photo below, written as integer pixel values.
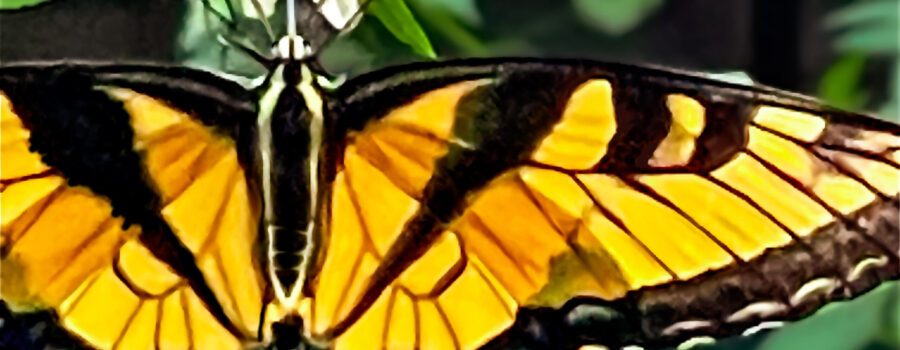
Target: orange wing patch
(374, 194)
(206, 200)
(105, 285)
(554, 228)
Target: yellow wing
(567, 226)
(65, 247)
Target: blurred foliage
(865, 32)
(17, 4)
(615, 17)
(869, 322)
(200, 42)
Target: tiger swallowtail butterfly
(477, 203)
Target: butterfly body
(500, 202)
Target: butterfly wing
(571, 202)
(131, 218)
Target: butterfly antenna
(291, 19)
(231, 12)
(247, 49)
(227, 20)
(262, 18)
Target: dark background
(777, 42)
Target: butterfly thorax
(290, 134)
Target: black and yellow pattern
(177, 272)
(470, 204)
(600, 187)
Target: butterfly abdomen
(291, 185)
(290, 139)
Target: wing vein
(447, 323)
(342, 298)
(385, 331)
(491, 236)
(646, 190)
(621, 225)
(814, 150)
(7, 248)
(862, 153)
(186, 312)
(228, 287)
(369, 242)
(217, 219)
(11, 181)
(579, 253)
(834, 213)
(127, 324)
(80, 296)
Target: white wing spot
(761, 327)
(679, 327)
(864, 265)
(818, 286)
(691, 343)
(761, 309)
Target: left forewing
(128, 217)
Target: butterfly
(478, 203)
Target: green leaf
(221, 7)
(840, 85)
(852, 324)
(197, 44)
(615, 17)
(397, 18)
(17, 4)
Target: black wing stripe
(503, 127)
(87, 136)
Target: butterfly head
(292, 48)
